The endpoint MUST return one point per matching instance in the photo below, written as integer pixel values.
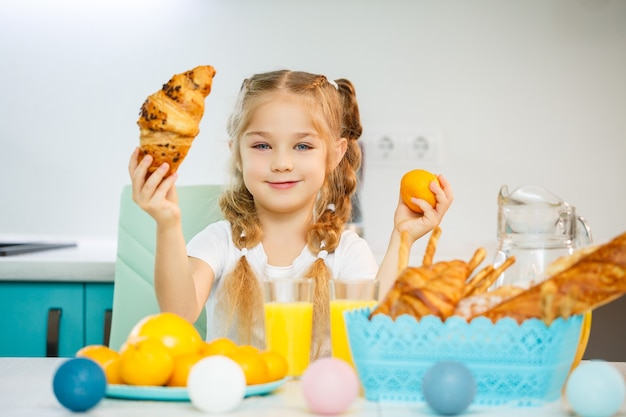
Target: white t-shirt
(353, 259)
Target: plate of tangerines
(160, 351)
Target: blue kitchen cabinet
(98, 308)
(52, 319)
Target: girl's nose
(282, 161)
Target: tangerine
(248, 348)
(176, 333)
(205, 348)
(182, 367)
(416, 183)
(112, 371)
(276, 363)
(146, 361)
(99, 353)
(253, 366)
(107, 358)
(220, 346)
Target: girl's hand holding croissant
(155, 194)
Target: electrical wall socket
(406, 148)
(422, 147)
(386, 148)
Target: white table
(26, 390)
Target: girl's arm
(417, 225)
(175, 275)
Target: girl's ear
(230, 148)
(340, 151)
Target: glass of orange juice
(289, 320)
(348, 295)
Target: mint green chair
(133, 294)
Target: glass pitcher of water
(536, 227)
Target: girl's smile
(283, 158)
(283, 185)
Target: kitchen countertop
(26, 390)
(89, 261)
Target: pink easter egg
(329, 386)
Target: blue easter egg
(79, 384)
(595, 389)
(449, 388)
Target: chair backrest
(133, 293)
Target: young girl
(293, 138)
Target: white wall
(522, 91)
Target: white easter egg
(216, 384)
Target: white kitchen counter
(89, 261)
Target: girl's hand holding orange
(424, 199)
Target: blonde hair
(335, 114)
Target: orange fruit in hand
(146, 361)
(176, 333)
(219, 346)
(253, 366)
(107, 358)
(416, 183)
(182, 367)
(276, 363)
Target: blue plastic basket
(514, 364)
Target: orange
(146, 361)
(107, 358)
(112, 371)
(182, 367)
(99, 353)
(416, 183)
(205, 348)
(253, 366)
(220, 346)
(248, 348)
(176, 333)
(276, 363)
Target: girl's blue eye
(303, 147)
(261, 146)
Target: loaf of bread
(587, 279)
(594, 279)
(169, 119)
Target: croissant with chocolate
(169, 119)
(433, 288)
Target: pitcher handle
(583, 235)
